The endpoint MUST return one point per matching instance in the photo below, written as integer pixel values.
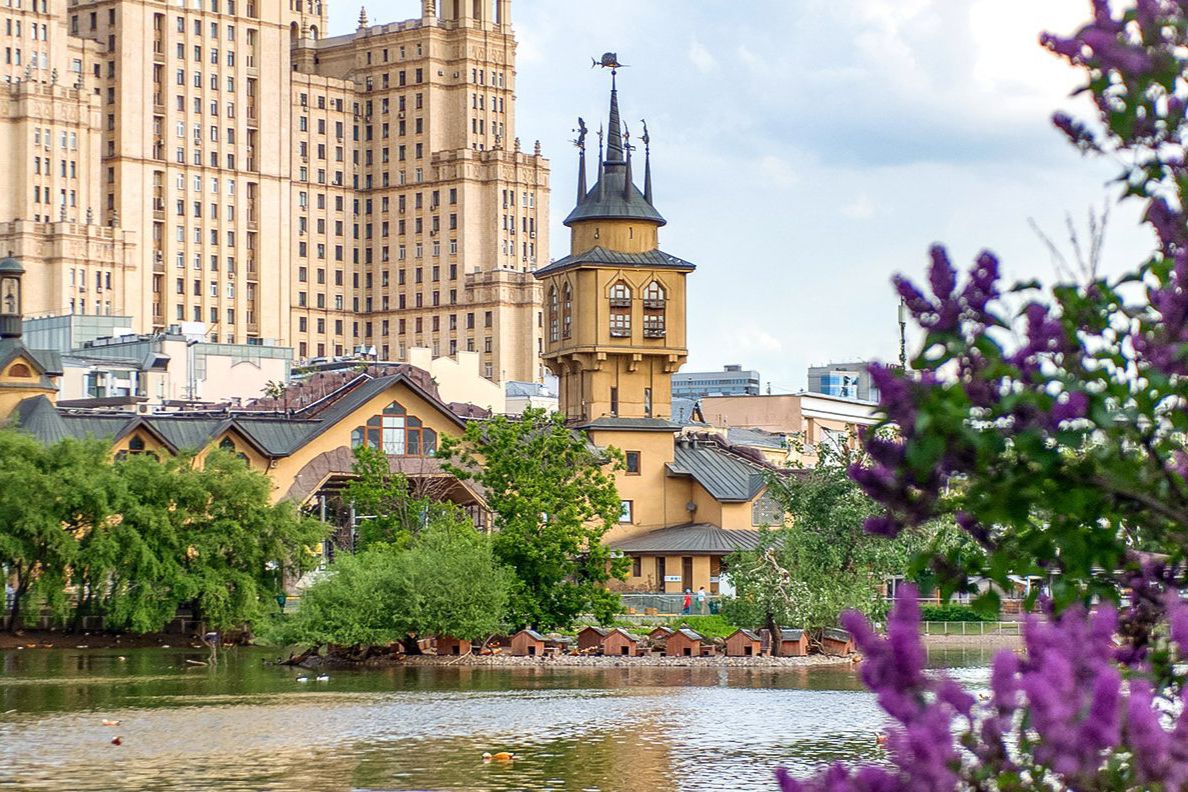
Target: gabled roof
(699, 539)
(600, 630)
(661, 629)
(692, 636)
(38, 416)
(533, 634)
(726, 476)
(748, 634)
(791, 635)
(600, 256)
(13, 348)
(756, 438)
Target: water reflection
(244, 725)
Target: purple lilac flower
(1069, 407)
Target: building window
(567, 313)
(632, 463)
(396, 433)
(626, 511)
(636, 566)
(654, 302)
(554, 310)
(767, 511)
(620, 310)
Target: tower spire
(614, 129)
(628, 185)
(581, 146)
(601, 167)
(647, 141)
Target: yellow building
(223, 162)
(614, 335)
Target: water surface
(246, 725)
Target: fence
(668, 604)
(973, 628)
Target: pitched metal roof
(187, 433)
(533, 634)
(690, 634)
(38, 417)
(791, 635)
(756, 438)
(608, 200)
(725, 476)
(651, 259)
(697, 539)
(608, 422)
(748, 634)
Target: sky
(804, 151)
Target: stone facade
(222, 162)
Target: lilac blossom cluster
(1055, 717)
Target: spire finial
(601, 166)
(362, 16)
(627, 185)
(580, 142)
(647, 141)
(614, 140)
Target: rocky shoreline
(578, 661)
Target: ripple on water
(426, 730)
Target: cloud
(861, 208)
(776, 171)
(753, 338)
(702, 58)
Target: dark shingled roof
(697, 538)
(651, 259)
(608, 201)
(38, 416)
(750, 636)
(791, 635)
(724, 475)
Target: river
(246, 725)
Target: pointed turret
(581, 196)
(647, 141)
(615, 196)
(614, 140)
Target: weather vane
(647, 139)
(609, 60)
(581, 134)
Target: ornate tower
(615, 307)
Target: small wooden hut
(793, 643)
(837, 642)
(743, 643)
(620, 643)
(449, 645)
(528, 643)
(684, 643)
(590, 639)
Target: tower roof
(615, 196)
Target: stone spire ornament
(362, 17)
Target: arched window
(554, 311)
(654, 301)
(620, 310)
(396, 433)
(19, 370)
(567, 313)
(136, 444)
(228, 444)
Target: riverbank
(577, 661)
(53, 639)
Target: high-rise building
(732, 380)
(844, 380)
(222, 162)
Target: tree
(50, 500)
(807, 573)
(553, 501)
(1055, 436)
(445, 581)
(386, 507)
(136, 539)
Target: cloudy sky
(806, 150)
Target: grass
(707, 626)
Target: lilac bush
(1062, 717)
(1051, 425)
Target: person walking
(702, 608)
(687, 608)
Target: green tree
(445, 582)
(386, 508)
(823, 562)
(553, 501)
(43, 513)
(238, 544)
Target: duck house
(685, 643)
(793, 643)
(743, 643)
(837, 642)
(449, 645)
(528, 643)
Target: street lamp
(903, 314)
